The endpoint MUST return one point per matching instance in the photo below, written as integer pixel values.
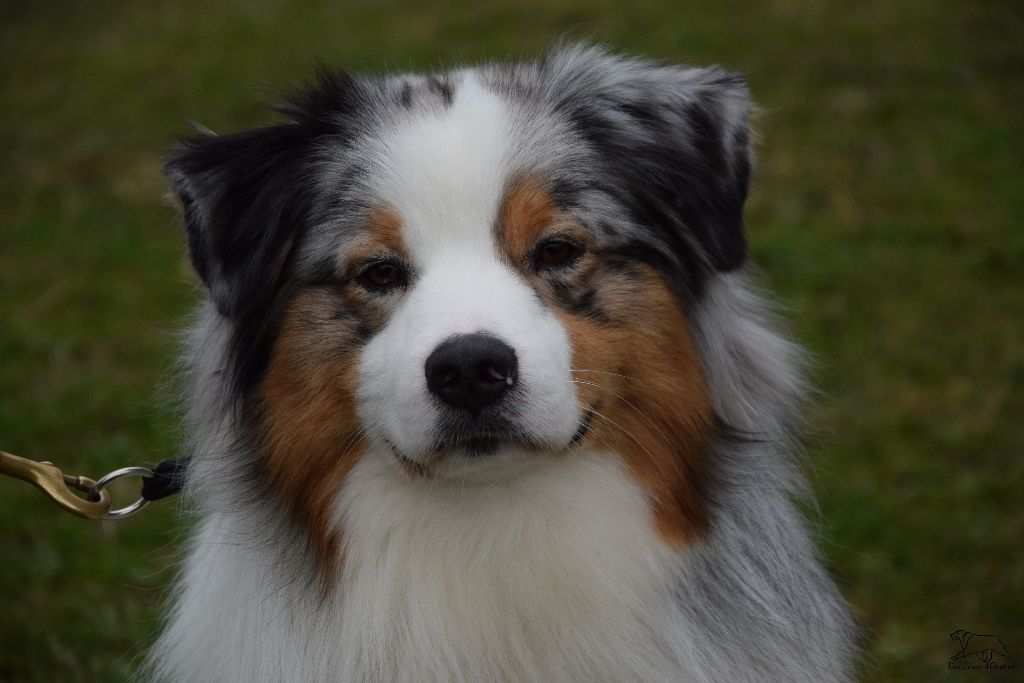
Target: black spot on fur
(676, 260)
(360, 325)
(252, 341)
(643, 112)
(442, 87)
(564, 191)
(364, 332)
(707, 138)
(585, 305)
(579, 300)
(620, 267)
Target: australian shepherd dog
(482, 391)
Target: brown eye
(384, 275)
(556, 253)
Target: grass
(887, 213)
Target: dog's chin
(483, 460)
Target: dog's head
(467, 271)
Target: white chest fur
(555, 575)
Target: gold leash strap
(54, 483)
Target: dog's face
(465, 272)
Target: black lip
(410, 466)
(584, 428)
(481, 435)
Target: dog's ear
(676, 142)
(243, 199)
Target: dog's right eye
(382, 276)
(555, 254)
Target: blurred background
(887, 214)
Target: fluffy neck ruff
(557, 575)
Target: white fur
(556, 575)
(447, 171)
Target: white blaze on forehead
(446, 170)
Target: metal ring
(143, 472)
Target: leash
(165, 479)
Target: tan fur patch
(312, 435)
(645, 381)
(384, 229)
(527, 211)
(381, 236)
(310, 423)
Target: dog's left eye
(555, 253)
(383, 275)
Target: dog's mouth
(468, 447)
(478, 445)
(581, 432)
(409, 466)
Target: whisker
(603, 372)
(654, 459)
(625, 400)
(592, 410)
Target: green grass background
(887, 214)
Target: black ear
(676, 146)
(708, 176)
(244, 200)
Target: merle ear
(243, 199)
(676, 140)
(710, 179)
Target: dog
(483, 389)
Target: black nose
(471, 371)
